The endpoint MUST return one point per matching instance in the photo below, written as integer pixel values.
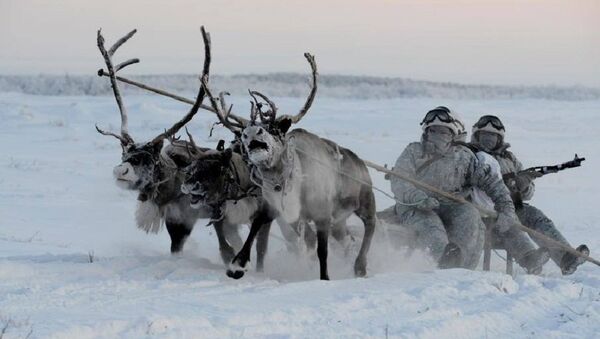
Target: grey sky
(468, 41)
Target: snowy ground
(60, 210)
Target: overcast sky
(467, 41)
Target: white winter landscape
(74, 265)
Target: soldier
(488, 136)
(512, 239)
(453, 232)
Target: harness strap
(426, 164)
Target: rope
(417, 183)
(483, 211)
(360, 180)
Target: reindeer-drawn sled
(268, 173)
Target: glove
(505, 221)
(428, 204)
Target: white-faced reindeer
(304, 178)
(154, 170)
(221, 179)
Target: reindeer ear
(226, 156)
(284, 125)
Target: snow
(74, 265)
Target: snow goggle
(441, 113)
(489, 119)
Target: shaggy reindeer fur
(146, 167)
(155, 173)
(220, 180)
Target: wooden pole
(483, 211)
(157, 91)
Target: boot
(570, 262)
(452, 257)
(533, 261)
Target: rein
(238, 193)
(280, 183)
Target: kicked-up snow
(73, 264)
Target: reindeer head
(139, 168)
(264, 141)
(208, 177)
(263, 136)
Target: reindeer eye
(245, 136)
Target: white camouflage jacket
(456, 171)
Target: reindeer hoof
(360, 270)
(236, 269)
(235, 274)
(176, 248)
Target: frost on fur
(148, 216)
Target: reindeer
(154, 170)
(303, 177)
(220, 180)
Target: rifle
(533, 173)
(538, 171)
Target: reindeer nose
(120, 171)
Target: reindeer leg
(310, 237)
(227, 252)
(340, 233)
(179, 232)
(290, 234)
(238, 264)
(232, 234)
(322, 237)
(262, 243)
(366, 212)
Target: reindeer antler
(192, 152)
(311, 96)
(227, 119)
(201, 92)
(268, 116)
(125, 138)
(227, 110)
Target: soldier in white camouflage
(515, 241)
(488, 136)
(453, 232)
